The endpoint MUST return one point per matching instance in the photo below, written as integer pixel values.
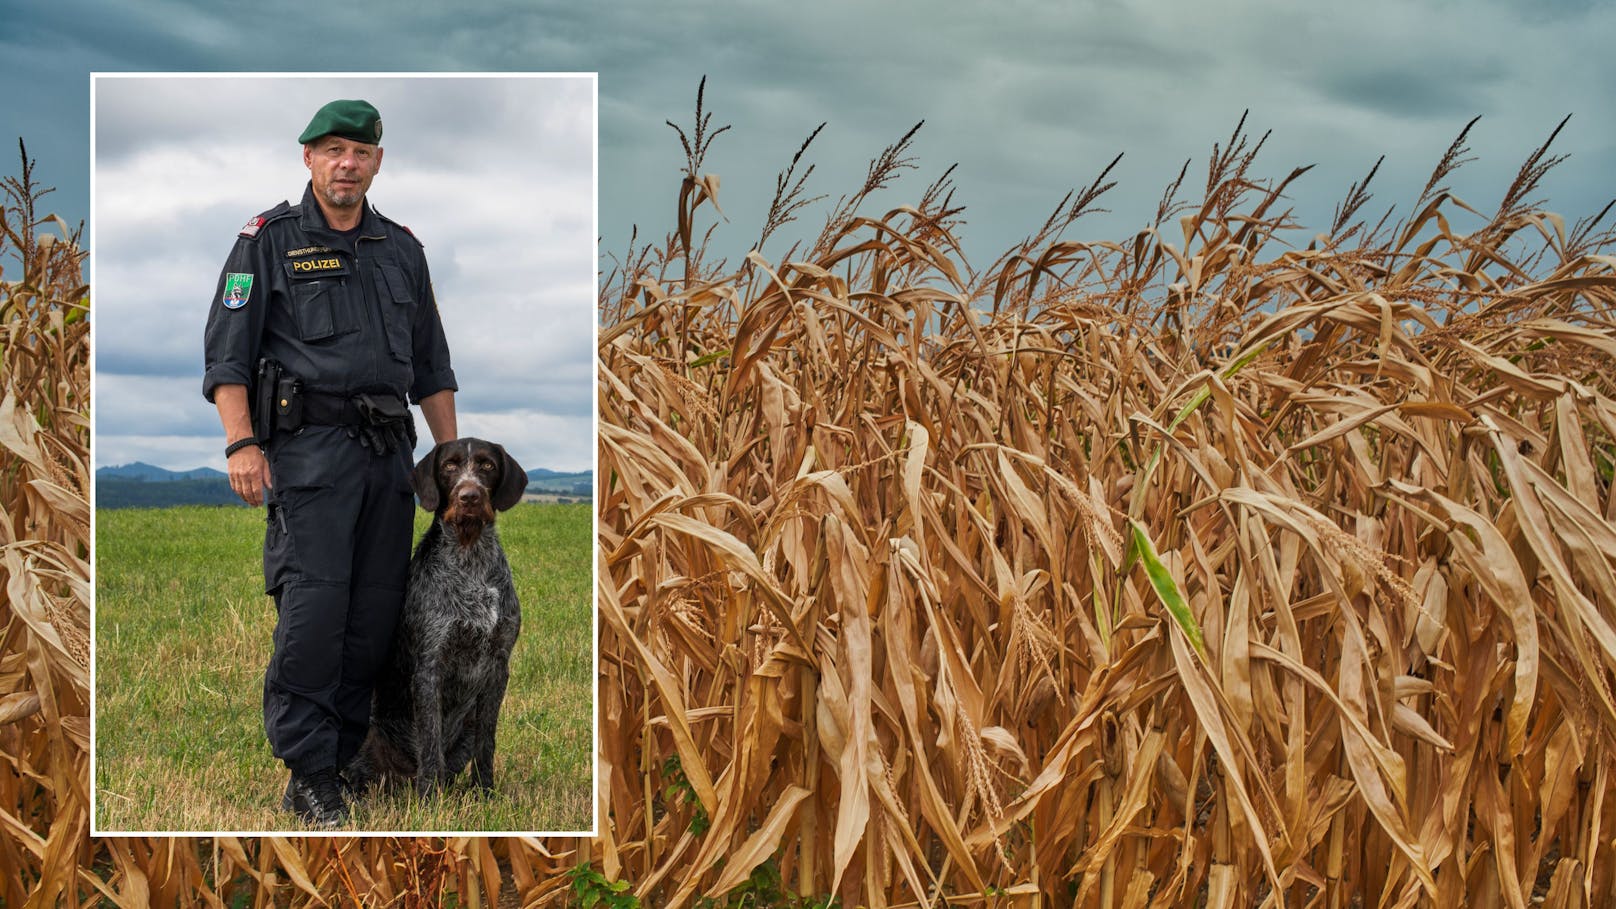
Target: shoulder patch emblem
(251, 229)
(237, 288)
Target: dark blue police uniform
(347, 313)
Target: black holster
(277, 401)
(288, 403)
(263, 398)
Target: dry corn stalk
(1170, 571)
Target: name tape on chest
(316, 265)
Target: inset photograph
(344, 452)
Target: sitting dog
(437, 702)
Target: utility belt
(379, 421)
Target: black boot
(317, 799)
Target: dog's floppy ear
(512, 481)
(424, 478)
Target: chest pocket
(398, 309)
(320, 302)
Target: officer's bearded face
(341, 169)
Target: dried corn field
(44, 550)
(1188, 569)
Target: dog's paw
(357, 781)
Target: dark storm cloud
(161, 30)
(1552, 10)
(1043, 93)
(1400, 91)
(1031, 99)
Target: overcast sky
(494, 176)
(1030, 99)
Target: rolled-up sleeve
(231, 341)
(430, 355)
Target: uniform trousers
(336, 557)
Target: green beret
(355, 120)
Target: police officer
(322, 323)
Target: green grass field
(183, 632)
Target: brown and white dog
(437, 703)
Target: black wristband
(239, 444)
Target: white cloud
(494, 174)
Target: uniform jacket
(344, 315)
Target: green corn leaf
(1166, 588)
(707, 359)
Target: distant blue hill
(580, 483)
(148, 473)
(125, 492)
(141, 485)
